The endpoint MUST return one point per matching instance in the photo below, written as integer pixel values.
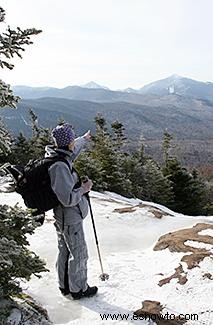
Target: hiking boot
(77, 295)
(65, 292)
(91, 291)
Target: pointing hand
(87, 135)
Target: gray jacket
(74, 205)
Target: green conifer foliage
(102, 151)
(118, 137)
(5, 142)
(106, 150)
(16, 261)
(166, 145)
(21, 151)
(40, 137)
(86, 165)
(189, 191)
(209, 200)
(148, 181)
(7, 97)
(12, 43)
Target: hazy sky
(116, 43)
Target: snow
(93, 85)
(15, 317)
(126, 242)
(5, 184)
(198, 244)
(206, 232)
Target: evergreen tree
(118, 137)
(209, 200)
(7, 97)
(189, 190)
(16, 261)
(12, 43)
(86, 165)
(148, 181)
(21, 151)
(34, 124)
(42, 140)
(102, 151)
(5, 142)
(119, 141)
(167, 138)
(40, 136)
(156, 187)
(106, 153)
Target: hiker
(72, 256)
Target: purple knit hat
(63, 135)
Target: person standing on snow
(72, 256)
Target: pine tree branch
(12, 42)
(2, 14)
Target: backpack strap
(55, 159)
(78, 184)
(62, 158)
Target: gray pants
(72, 259)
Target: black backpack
(34, 185)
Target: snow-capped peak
(93, 85)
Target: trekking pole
(103, 276)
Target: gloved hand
(86, 186)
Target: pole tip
(104, 276)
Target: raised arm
(80, 143)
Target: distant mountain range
(93, 92)
(182, 106)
